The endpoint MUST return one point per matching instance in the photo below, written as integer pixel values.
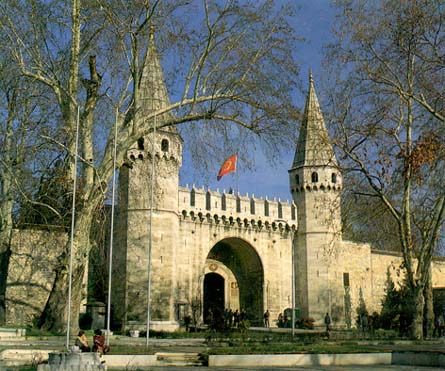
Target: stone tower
(315, 183)
(135, 232)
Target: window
(223, 202)
(297, 179)
(208, 201)
(314, 177)
(141, 144)
(252, 206)
(238, 205)
(266, 208)
(164, 145)
(192, 198)
(346, 279)
(334, 178)
(280, 210)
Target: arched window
(334, 178)
(314, 177)
(297, 179)
(164, 145)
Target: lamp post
(291, 232)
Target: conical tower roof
(314, 147)
(153, 92)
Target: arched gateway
(212, 250)
(234, 279)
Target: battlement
(205, 202)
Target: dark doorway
(213, 296)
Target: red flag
(228, 166)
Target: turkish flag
(228, 166)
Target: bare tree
(232, 72)
(388, 63)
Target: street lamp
(291, 231)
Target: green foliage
(348, 308)
(361, 309)
(397, 308)
(389, 315)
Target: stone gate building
(212, 250)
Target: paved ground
(198, 345)
(312, 368)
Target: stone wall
(31, 272)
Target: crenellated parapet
(167, 146)
(236, 210)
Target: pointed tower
(315, 183)
(141, 224)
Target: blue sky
(313, 22)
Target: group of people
(234, 318)
(218, 321)
(99, 345)
(283, 320)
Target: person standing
(266, 318)
(236, 318)
(327, 322)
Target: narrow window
(297, 179)
(238, 205)
(141, 144)
(280, 210)
(346, 279)
(223, 202)
(252, 206)
(164, 145)
(208, 201)
(266, 208)
(293, 212)
(314, 177)
(334, 178)
(192, 198)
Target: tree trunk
(428, 314)
(5, 254)
(54, 315)
(418, 306)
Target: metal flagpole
(73, 217)
(112, 228)
(151, 226)
(293, 282)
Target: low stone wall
(12, 333)
(129, 361)
(291, 360)
(430, 359)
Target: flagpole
(73, 218)
(112, 228)
(150, 244)
(236, 175)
